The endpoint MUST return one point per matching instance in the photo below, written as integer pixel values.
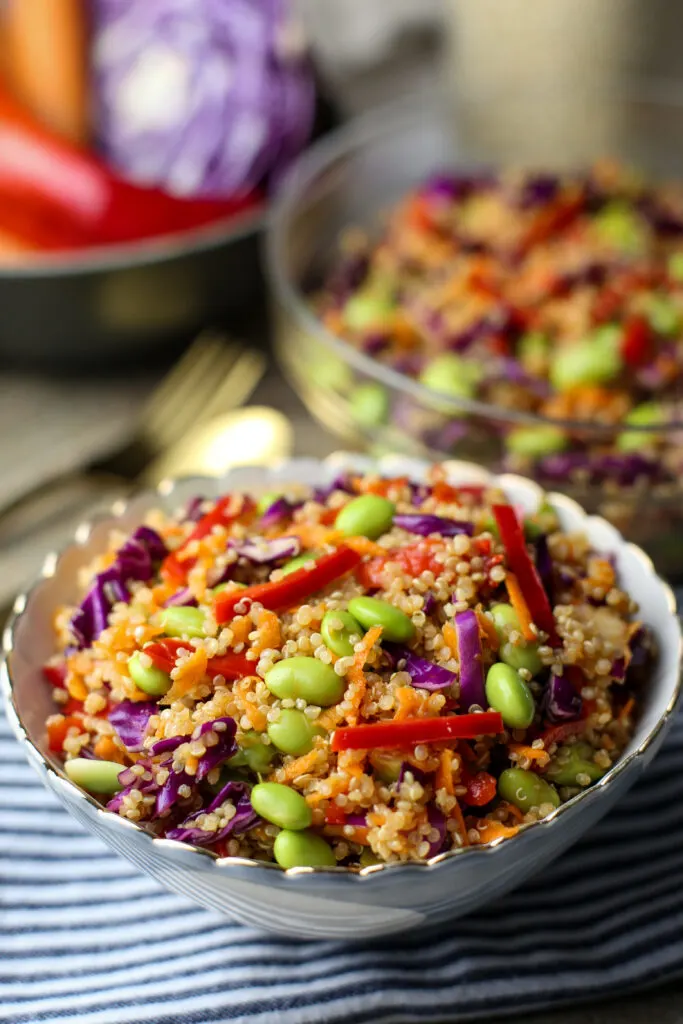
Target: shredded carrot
(352, 762)
(366, 547)
(488, 631)
(76, 687)
(444, 776)
(512, 810)
(356, 675)
(107, 749)
(519, 604)
(451, 638)
(360, 834)
(407, 699)
(188, 675)
(241, 628)
(269, 635)
(302, 765)
(315, 535)
(532, 753)
(334, 321)
(462, 827)
(625, 712)
(382, 486)
(489, 830)
(335, 785)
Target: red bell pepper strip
(519, 560)
(560, 733)
(636, 343)
(55, 675)
(292, 589)
(224, 512)
(163, 655)
(56, 731)
(84, 195)
(411, 731)
(481, 788)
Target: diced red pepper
(550, 220)
(163, 655)
(519, 560)
(73, 706)
(448, 493)
(231, 666)
(560, 733)
(55, 675)
(636, 344)
(57, 731)
(224, 512)
(413, 560)
(335, 815)
(411, 731)
(291, 589)
(481, 788)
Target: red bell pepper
(560, 733)
(481, 788)
(163, 655)
(519, 560)
(55, 675)
(56, 731)
(292, 589)
(411, 731)
(224, 512)
(85, 199)
(636, 343)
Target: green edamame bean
(663, 314)
(281, 805)
(675, 266)
(533, 350)
(253, 753)
(526, 789)
(151, 680)
(619, 225)
(338, 630)
(387, 768)
(368, 515)
(453, 376)
(366, 310)
(370, 611)
(593, 361)
(95, 776)
(229, 585)
(266, 500)
(369, 404)
(368, 859)
(307, 678)
(571, 761)
(646, 415)
(292, 733)
(507, 693)
(504, 615)
(536, 442)
(183, 622)
(302, 850)
(296, 563)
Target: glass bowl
(348, 179)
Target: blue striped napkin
(86, 939)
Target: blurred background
(175, 179)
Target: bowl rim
(147, 252)
(56, 778)
(391, 119)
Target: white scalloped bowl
(336, 903)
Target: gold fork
(212, 377)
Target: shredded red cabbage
(424, 525)
(618, 669)
(275, 513)
(181, 599)
(225, 729)
(561, 702)
(424, 675)
(471, 669)
(245, 817)
(194, 511)
(357, 819)
(131, 720)
(429, 603)
(340, 483)
(438, 821)
(623, 469)
(165, 746)
(268, 552)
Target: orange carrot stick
(519, 604)
(356, 675)
(488, 631)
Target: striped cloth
(86, 939)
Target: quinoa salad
(371, 672)
(556, 296)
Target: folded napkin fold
(86, 939)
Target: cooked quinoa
(473, 668)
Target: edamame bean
(536, 442)
(253, 753)
(302, 850)
(307, 678)
(369, 404)
(281, 805)
(663, 314)
(646, 415)
(292, 733)
(387, 767)
(619, 225)
(533, 350)
(340, 631)
(517, 656)
(593, 361)
(507, 693)
(571, 761)
(266, 500)
(368, 859)
(229, 585)
(149, 679)
(368, 515)
(296, 563)
(453, 376)
(675, 266)
(367, 309)
(370, 611)
(184, 622)
(526, 789)
(95, 776)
